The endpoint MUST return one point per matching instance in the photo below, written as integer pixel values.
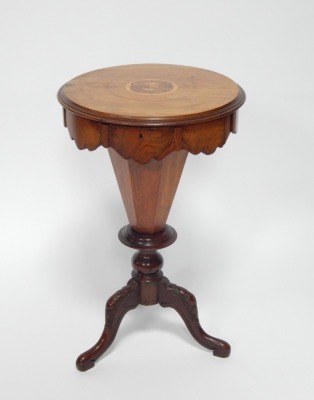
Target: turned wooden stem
(147, 262)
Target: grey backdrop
(244, 215)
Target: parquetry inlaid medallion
(151, 86)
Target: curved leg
(117, 306)
(184, 303)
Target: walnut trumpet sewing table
(150, 116)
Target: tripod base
(148, 286)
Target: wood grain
(148, 190)
(151, 95)
(143, 143)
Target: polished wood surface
(150, 117)
(151, 95)
(148, 287)
(143, 144)
(148, 190)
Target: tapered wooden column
(148, 189)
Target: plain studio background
(244, 215)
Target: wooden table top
(151, 95)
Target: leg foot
(184, 303)
(117, 306)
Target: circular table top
(151, 95)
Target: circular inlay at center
(151, 86)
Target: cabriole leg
(184, 303)
(117, 306)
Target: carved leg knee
(117, 306)
(184, 303)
